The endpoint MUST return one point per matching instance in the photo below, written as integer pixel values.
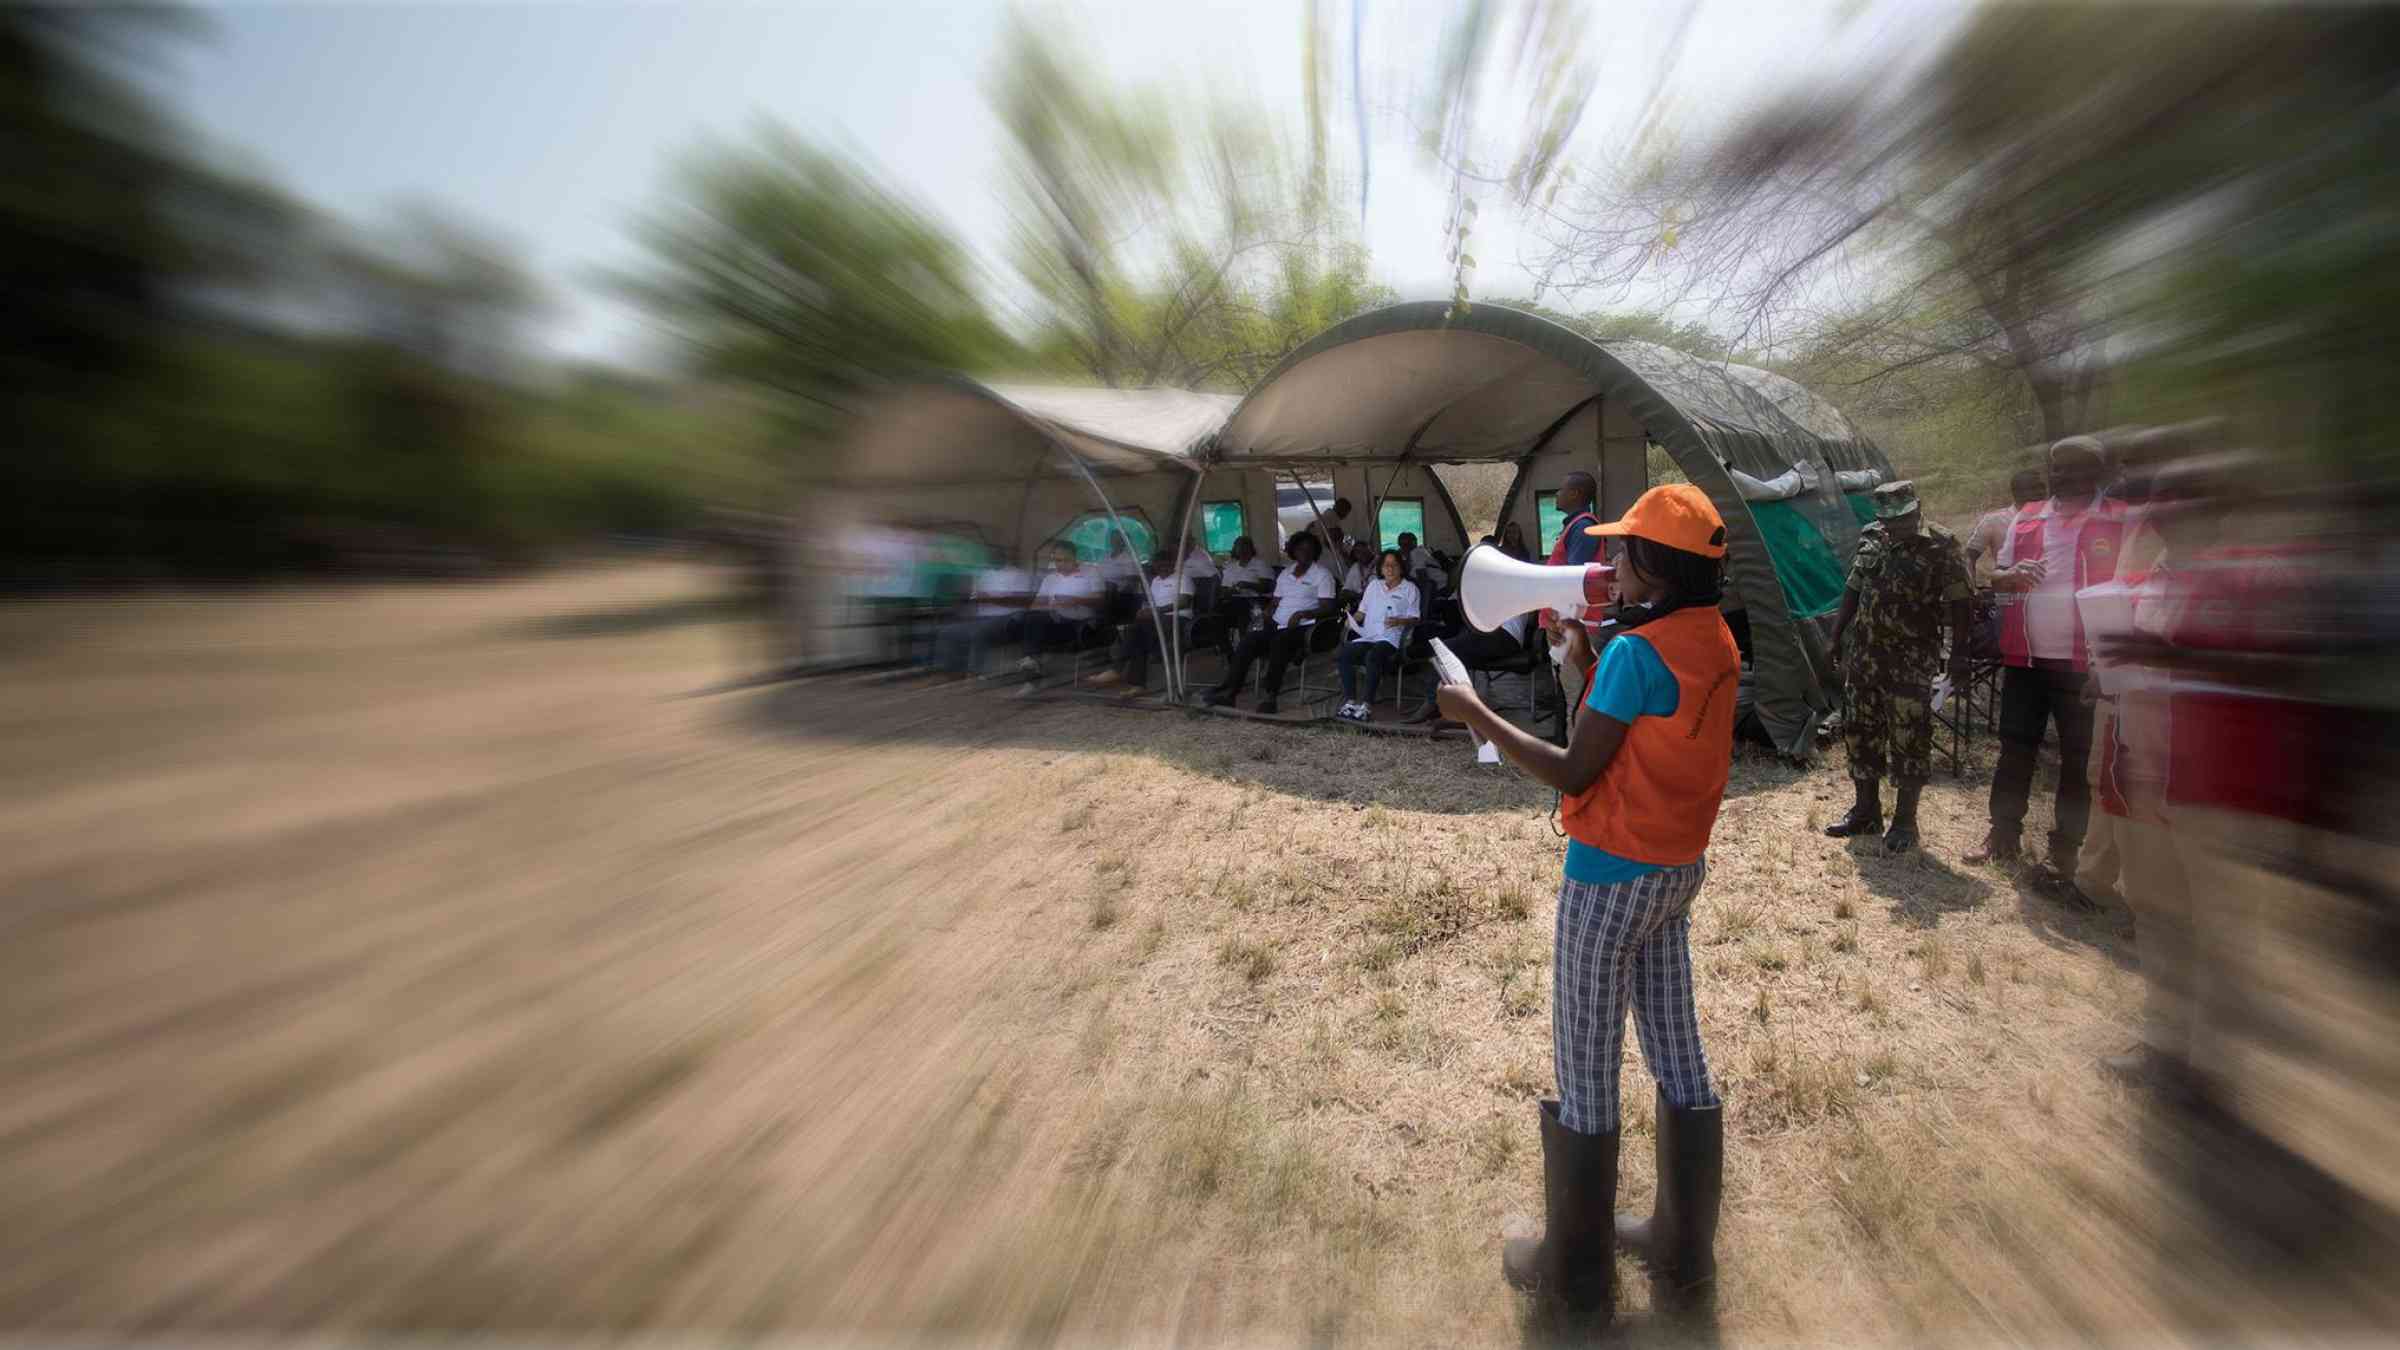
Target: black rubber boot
(1866, 813)
(1678, 1242)
(1572, 1266)
(1903, 835)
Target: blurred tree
(1159, 252)
(2014, 207)
(792, 270)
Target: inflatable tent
(1371, 405)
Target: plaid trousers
(1625, 943)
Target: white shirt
(1380, 605)
(2142, 714)
(1421, 561)
(1354, 579)
(1166, 591)
(1198, 563)
(2050, 606)
(1118, 571)
(1071, 596)
(1240, 573)
(1000, 583)
(1296, 593)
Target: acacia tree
(1163, 246)
(791, 270)
(2005, 210)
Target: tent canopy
(959, 433)
(1374, 401)
(1415, 383)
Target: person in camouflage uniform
(1908, 577)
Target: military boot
(1903, 835)
(1866, 813)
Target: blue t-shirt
(1632, 682)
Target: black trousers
(1136, 648)
(1279, 645)
(2030, 700)
(1476, 650)
(1047, 632)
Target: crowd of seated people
(1372, 612)
(1302, 594)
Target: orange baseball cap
(1675, 514)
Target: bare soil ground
(423, 959)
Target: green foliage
(793, 271)
(1163, 249)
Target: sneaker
(1029, 667)
(1105, 678)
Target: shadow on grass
(1321, 761)
(629, 620)
(1920, 886)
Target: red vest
(1558, 558)
(1657, 800)
(2099, 537)
(2249, 751)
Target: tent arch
(1415, 383)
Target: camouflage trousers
(1887, 730)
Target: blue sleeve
(1581, 548)
(1632, 682)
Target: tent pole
(1156, 625)
(1183, 553)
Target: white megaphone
(1493, 586)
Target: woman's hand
(1457, 701)
(1577, 646)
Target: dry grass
(488, 984)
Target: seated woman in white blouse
(1386, 611)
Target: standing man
(1332, 529)
(1906, 580)
(1573, 549)
(2055, 548)
(1989, 539)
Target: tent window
(1552, 521)
(1093, 530)
(1398, 516)
(1221, 523)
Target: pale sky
(553, 124)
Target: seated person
(1118, 571)
(1355, 576)
(995, 612)
(1197, 561)
(1240, 585)
(1303, 594)
(1512, 542)
(1423, 568)
(1385, 613)
(1478, 650)
(1065, 610)
(1169, 592)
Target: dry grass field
(423, 959)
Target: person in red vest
(1575, 546)
(1642, 776)
(2054, 549)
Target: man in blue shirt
(1573, 549)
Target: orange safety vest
(1657, 800)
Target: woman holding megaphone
(1642, 777)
